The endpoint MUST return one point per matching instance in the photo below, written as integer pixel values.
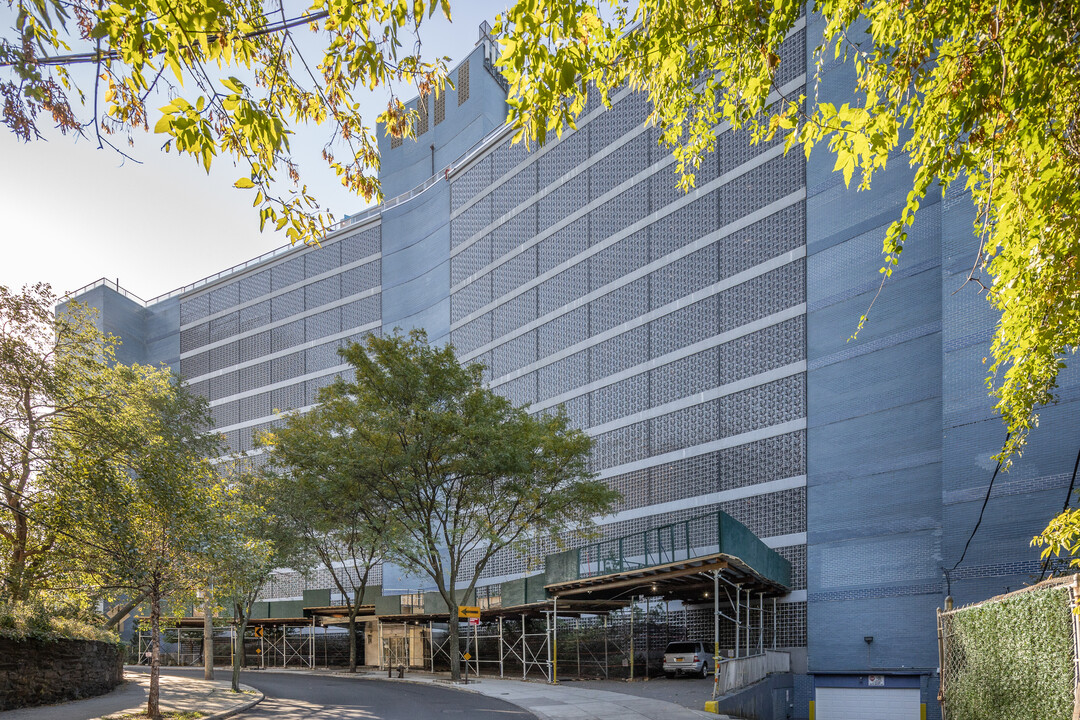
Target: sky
(71, 213)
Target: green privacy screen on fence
(1012, 657)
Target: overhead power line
(989, 489)
(100, 56)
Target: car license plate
(678, 659)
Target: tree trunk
(153, 704)
(455, 645)
(16, 575)
(352, 639)
(238, 646)
(208, 638)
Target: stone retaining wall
(34, 671)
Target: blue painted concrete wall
(148, 335)
(416, 264)
(415, 160)
(416, 234)
(874, 447)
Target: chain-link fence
(1012, 657)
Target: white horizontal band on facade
(369, 292)
(682, 403)
(287, 351)
(653, 217)
(266, 418)
(695, 450)
(714, 498)
(582, 121)
(282, 291)
(787, 89)
(280, 384)
(674, 356)
(543, 150)
(683, 302)
(720, 286)
(788, 540)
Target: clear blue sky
(70, 213)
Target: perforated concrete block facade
(670, 326)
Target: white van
(687, 657)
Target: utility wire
(96, 57)
(1068, 498)
(989, 488)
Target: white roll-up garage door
(867, 704)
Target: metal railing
(677, 541)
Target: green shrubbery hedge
(36, 620)
(1011, 658)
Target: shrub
(25, 619)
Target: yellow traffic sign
(467, 656)
(468, 611)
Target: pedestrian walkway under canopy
(707, 560)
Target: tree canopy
(325, 509)
(222, 80)
(55, 382)
(459, 473)
(107, 479)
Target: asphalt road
(304, 697)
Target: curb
(258, 698)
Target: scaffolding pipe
(555, 641)
(632, 638)
(606, 666)
(761, 623)
(738, 617)
(648, 644)
(547, 616)
(524, 649)
(716, 633)
(749, 600)
(774, 623)
(500, 646)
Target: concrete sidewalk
(549, 702)
(215, 698)
(566, 702)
